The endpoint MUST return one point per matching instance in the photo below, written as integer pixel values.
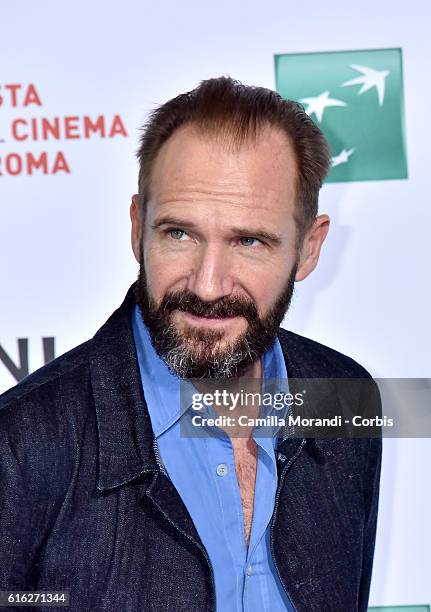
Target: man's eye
(177, 234)
(249, 241)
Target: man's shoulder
(313, 359)
(55, 382)
(353, 385)
(43, 422)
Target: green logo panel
(400, 609)
(356, 98)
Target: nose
(211, 277)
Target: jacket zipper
(201, 548)
(277, 497)
(158, 458)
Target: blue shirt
(203, 471)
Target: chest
(245, 456)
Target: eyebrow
(255, 232)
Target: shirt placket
(222, 466)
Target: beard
(195, 352)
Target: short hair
(225, 108)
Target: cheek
(266, 285)
(163, 273)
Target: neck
(254, 370)
(250, 382)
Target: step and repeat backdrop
(77, 81)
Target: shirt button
(222, 469)
(249, 570)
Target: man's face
(217, 251)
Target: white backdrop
(65, 259)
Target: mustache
(226, 306)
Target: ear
(136, 234)
(310, 249)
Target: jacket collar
(124, 428)
(125, 435)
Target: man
(101, 494)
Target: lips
(209, 316)
(206, 320)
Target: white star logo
(342, 157)
(317, 105)
(371, 78)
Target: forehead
(192, 164)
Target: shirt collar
(162, 388)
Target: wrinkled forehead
(193, 161)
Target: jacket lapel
(126, 447)
(314, 558)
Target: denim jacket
(86, 507)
